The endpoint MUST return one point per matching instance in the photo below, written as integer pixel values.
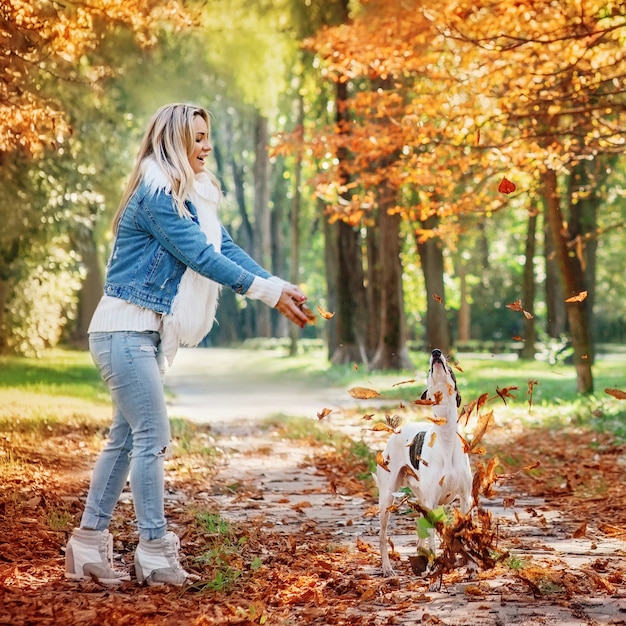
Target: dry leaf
(380, 460)
(616, 393)
(440, 421)
(404, 382)
(581, 531)
(504, 392)
(437, 298)
(579, 297)
(311, 319)
(323, 413)
(363, 393)
(325, 314)
(378, 426)
(368, 416)
(433, 438)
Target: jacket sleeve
(183, 238)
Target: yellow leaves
(382, 427)
(428, 401)
(323, 413)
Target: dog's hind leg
(387, 485)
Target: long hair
(169, 140)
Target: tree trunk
(374, 289)
(431, 258)
(91, 290)
(573, 283)
(528, 288)
(350, 313)
(556, 321)
(294, 219)
(464, 318)
(262, 217)
(392, 352)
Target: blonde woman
(170, 258)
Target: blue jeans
(132, 365)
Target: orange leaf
(506, 186)
(323, 413)
(504, 393)
(368, 416)
(380, 460)
(363, 393)
(579, 297)
(437, 298)
(433, 438)
(616, 393)
(378, 426)
(325, 314)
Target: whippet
(429, 458)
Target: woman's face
(202, 146)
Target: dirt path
(560, 579)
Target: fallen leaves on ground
(305, 576)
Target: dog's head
(441, 378)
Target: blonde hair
(169, 140)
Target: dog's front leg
(385, 500)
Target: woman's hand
(290, 305)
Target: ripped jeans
(132, 365)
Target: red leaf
(506, 186)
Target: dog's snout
(436, 353)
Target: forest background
(446, 174)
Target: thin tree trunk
(392, 352)
(431, 258)
(528, 288)
(464, 317)
(572, 281)
(556, 320)
(262, 218)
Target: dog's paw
(435, 586)
(388, 572)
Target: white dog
(428, 458)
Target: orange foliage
(40, 40)
(446, 96)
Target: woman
(169, 259)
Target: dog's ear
(424, 395)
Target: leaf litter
(547, 530)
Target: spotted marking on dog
(415, 449)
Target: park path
(234, 392)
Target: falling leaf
(517, 306)
(506, 186)
(440, 421)
(404, 382)
(433, 438)
(579, 297)
(380, 460)
(355, 367)
(378, 426)
(363, 393)
(437, 298)
(504, 393)
(394, 421)
(616, 393)
(325, 314)
(517, 338)
(323, 413)
(531, 385)
(424, 402)
(457, 366)
(368, 416)
(484, 421)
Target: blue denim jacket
(154, 246)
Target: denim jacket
(154, 246)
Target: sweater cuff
(267, 290)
